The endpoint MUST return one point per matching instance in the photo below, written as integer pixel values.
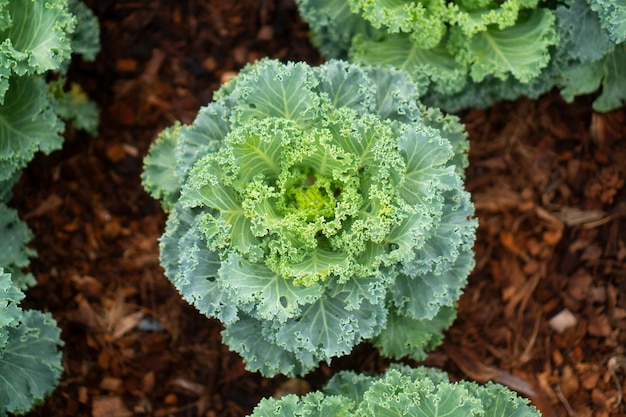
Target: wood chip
(599, 326)
(112, 384)
(292, 386)
(126, 65)
(109, 407)
(563, 321)
(266, 33)
(51, 203)
(569, 381)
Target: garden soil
(544, 311)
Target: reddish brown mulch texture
(544, 311)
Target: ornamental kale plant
(30, 360)
(313, 208)
(37, 37)
(470, 53)
(400, 391)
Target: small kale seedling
(312, 208)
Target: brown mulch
(545, 309)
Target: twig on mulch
(617, 362)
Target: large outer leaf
(85, 40)
(434, 64)
(581, 35)
(404, 334)
(272, 296)
(612, 17)
(499, 401)
(205, 135)
(27, 124)
(520, 50)
(254, 342)
(329, 328)
(614, 82)
(38, 38)
(159, 168)
(587, 77)
(30, 363)
(14, 254)
(10, 312)
(276, 90)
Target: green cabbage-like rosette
(400, 391)
(473, 53)
(313, 208)
(454, 49)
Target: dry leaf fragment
(187, 386)
(112, 384)
(49, 204)
(508, 241)
(572, 216)
(599, 326)
(292, 386)
(569, 381)
(126, 324)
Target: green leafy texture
(612, 17)
(398, 395)
(74, 106)
(400, 391)
(312, 405)
(34, 38)
(302, 198)
(10, 312)
(6, 187)
(424, 21)
(159, 171)
(85, 39)
(520, 51)
(30, 363)
(607, 73)
(472, 53)
(499, 401)
(14, 254)
(323, 15)
(27, 124)
(30, 360)
(589, 59)
(580, 32)
(434, 65)
(405, 334)
(449, 46)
